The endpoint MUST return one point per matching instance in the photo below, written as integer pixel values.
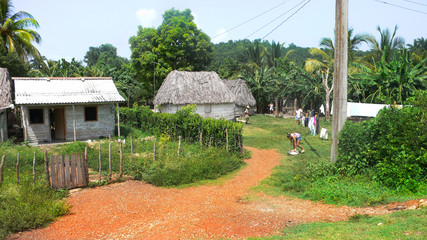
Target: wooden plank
(46, 162)
(63, 176)
(85, 168)
(58, 179)
(67, 172)
(52, 172)
(79, 171)
(3, 158)
(73, 171)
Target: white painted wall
(217, 111)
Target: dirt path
(135, 210)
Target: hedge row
(392, 146)
(185, 123)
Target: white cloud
(220, 36)
(146, 17)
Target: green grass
(409, 224)
(311, 176)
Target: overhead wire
(281, 15)
(286, 19)
(395, 5)
(249, 20)
(422, 4)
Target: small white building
(206, 90)
(55, 109)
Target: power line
(249, 20)
(401, 7)
(422, 4)
(286, 19)
(274, 19)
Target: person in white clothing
(298, 115)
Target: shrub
(28, 206)
(354, 148)
(187, 124)
(192, 166)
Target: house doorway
(57, 124)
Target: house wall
(102, 127)
(224, 110)
(36, 132)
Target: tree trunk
(295, 106)
(276, 104)
(327, 109)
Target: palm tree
(14, 31)
(387, 44)
(353, 43)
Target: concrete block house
(66, 109)
(206, 90)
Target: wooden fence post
(155, 143)
(242, 150)
(226, 138)
(99, 179)
(3, 158)
(17, 168)
(46, 166)
(179, 145)
(34, 167)
(121, 160)
(131, 150)
(201, 142)
(109, 159)
(86, 165)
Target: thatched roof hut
(243, 95)
(204, 89)
(6, 103)
(5, 89)
(182, 87)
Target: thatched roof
(5, 88)
(181, 88)
(239, 88)
(66, 90)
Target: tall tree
(176, 44)
(324, 68)
(16, 32)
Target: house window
(36, 116)
(208, 108)
(91, 114)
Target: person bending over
(295, 139)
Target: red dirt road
(135, 210)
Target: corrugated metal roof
(65, 90)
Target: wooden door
(59, 123)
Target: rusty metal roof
(65, 90)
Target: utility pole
(340, 73)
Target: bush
(393, 145)
(192, 166)
(354, 148)
(187, 124)
(28, 206)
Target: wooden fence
(69, 172)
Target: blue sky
(69, 27)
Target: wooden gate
(69, 172)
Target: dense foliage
(177, 44)
(392, 146)
(186, 124)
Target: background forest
(389, 72)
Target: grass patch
(29, 206)
(409, 224)
(311, 175)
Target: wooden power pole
(340, 73)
